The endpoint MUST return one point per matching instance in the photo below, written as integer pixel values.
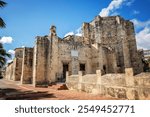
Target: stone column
(67, 74)
(126, 53)
(88, 66)
(17, 69)
(80, 73)
(98, 89)
(86, 32)
(98, 76)
(74, 62)
(53, 55)
(129, 78)
(97, 29)
(75, 65)
(40, 62)
(100, 57)
(114, 63)
(26, 76)
(54, 59)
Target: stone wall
(116, 38)
(27, 66)
(53, 55)
(17, 69)
(40, 62)
(125, 86)
(107, 44)
(9, 71)
(14, 69)
(16, 66)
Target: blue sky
(26, 19)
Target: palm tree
(2, 23)
(3, 56)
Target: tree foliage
(3, 54)
(2, 23)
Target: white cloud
(70, 33)
(135, 12)
(143, 33)
(143, 38)
(9, 61)
(140, 24)
(130, 2)
(114, 5)
(79, 32)
(11, 52)
(6, 40)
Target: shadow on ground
(16, 94)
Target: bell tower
(53, 31)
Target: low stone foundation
(126, 86)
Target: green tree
(2, 23)
(3, 54)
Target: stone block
(80, 73)
(130, 81)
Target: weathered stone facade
(107, 44)
(14, 69)
(27, 66)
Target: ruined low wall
(142, 85)
(124, 86)
(113, 79)
(9, 72)
(89, 78)
(72, 81)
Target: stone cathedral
(107, 44)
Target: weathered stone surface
(126, 86)
(9, 71)
(14, 69)
(40, 62)
(104, 60)
(27, 66)
(107, 43)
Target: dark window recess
(104, 68)
(118, 65)
(82, 67)
(65, 69)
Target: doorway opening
(82, 67)
(65, 69)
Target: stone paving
(10, 90)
